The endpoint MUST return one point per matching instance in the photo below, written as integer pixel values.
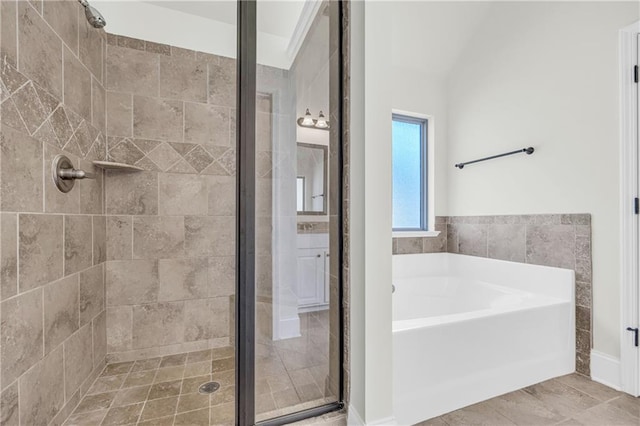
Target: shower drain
(209, 387)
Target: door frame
(629, 221)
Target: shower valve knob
(64, 174)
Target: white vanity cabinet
(313, 276)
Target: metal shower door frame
(246, 91)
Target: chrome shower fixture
(94, 17)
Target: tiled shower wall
(559, 240)
(52, 245)
(170, 275)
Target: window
(409, 159)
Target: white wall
(370, 220)
(545, 75)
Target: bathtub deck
(567, 400)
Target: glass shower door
(297, 326)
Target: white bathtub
(466, 329)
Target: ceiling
(274, 17)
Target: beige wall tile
(156, 237)
(31, 110)
(40, 255)
(222, 83)
(40, 50)
(10, 117)
(8, 41)
(551, 245)
(124, 151)
(209, 236)
(78, 359)
(159, 119)
(99, 326)
(182, 279)
(20, 175)
(99, 239)
(408, 245)
(222, 195)
(182, 194)
(119, 237)
(472, 239)
(9, 405)
(98, 106)
(63, 18)
(152, 47)
(199, 159)
(90, 190)
(92, 293)
(131, 193)
(77, 86)
(119, 336)
(8, 255)
(45, 382)
(507, 242)
(92, 47)
(131, 282)
(183, 79)
(77, 243)
(119, 114)
(206, 318)
(206, 124)
(158, 324)
(222, 276)
(61, 126)
(165, 156)
(21, 336)
(132, 71)
(61, 312)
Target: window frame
(424, 122)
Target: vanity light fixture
(321, 122)
(307, 121)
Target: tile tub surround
(171, 228)
(52, 245)
(559, 240)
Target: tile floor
(567, 400)
(290, 376)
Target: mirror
(311, 183)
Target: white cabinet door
(326, 280)
(310, 274)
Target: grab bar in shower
(528, 151)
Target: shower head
(94, 17)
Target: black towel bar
(528, 151)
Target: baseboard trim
(288, 328)
(605, 369)
(387, 421)
(354, 419)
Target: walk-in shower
(179, 284)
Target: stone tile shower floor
(290, 376)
